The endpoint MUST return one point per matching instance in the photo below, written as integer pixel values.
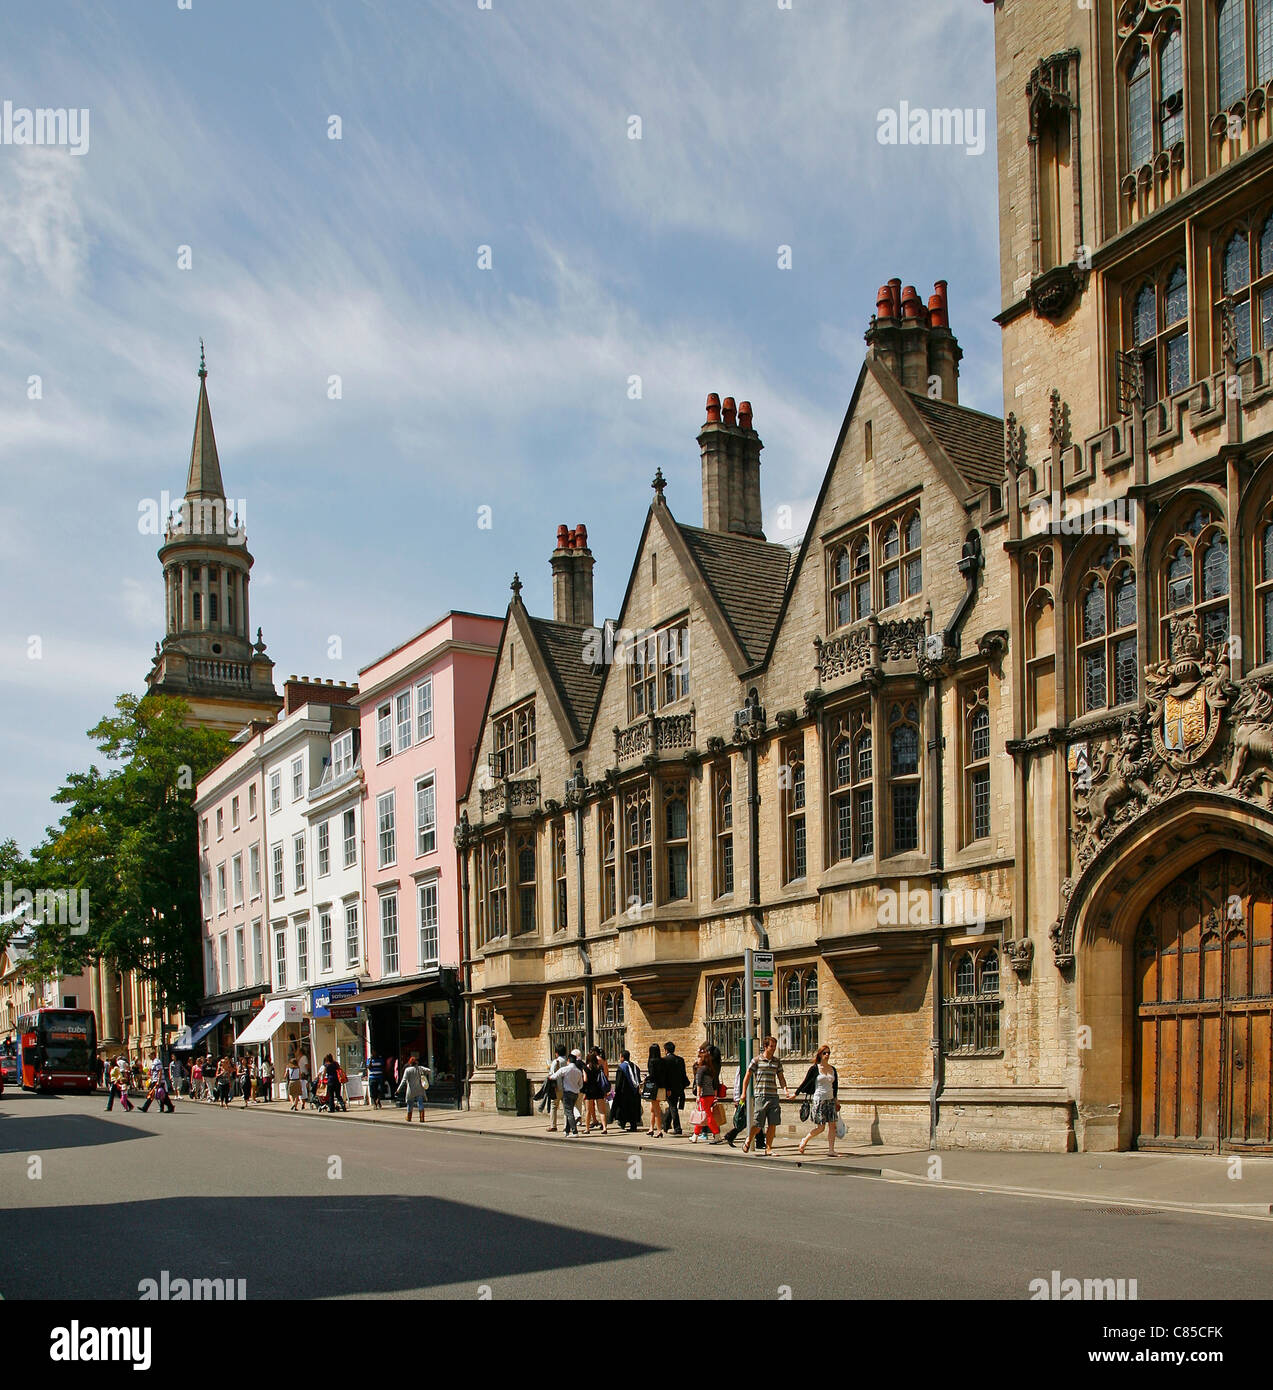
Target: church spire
(204, 477)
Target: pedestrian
(765, 1073)
(305, 1079)
(415, 1085)
(245, 1080)
(596, 1086)
(342, 1082)
(158, 1091)
(267, 1080)
(174, 1077)
(677, 1082)
(366, 1088)
(375, 1078)
(655, 1091)
(118, 1087)
(626, 1111)
(196, 1079)
(225, 1082)
(295, 1086)
(705, 1094)
(822, 1085)
(555, 1068)
(572, 1079)
(331, 1074)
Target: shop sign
(322, 998)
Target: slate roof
(578, 684)
(972, 441)
(749, 580)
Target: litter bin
(512, 1092)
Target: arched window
(1107, 674)
(212, 606)
(638, 850)
(1230, 51)
(1264, 587)
(1235, 283)
(608, 866)
(852, 788)
(1140, 103)
(796, 1024)
(724, 782)
(1160, 333)
(1171, 91)
(904, 784)
(1040, 650)
(901, 570)
(840, 575)
(970, 1011)
(196, 606)
(1246, 278)
(525, 883)
(1194, 579)
(976, 757)
(676, 826)
(861, 558)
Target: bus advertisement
(57, 1050)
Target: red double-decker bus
(57, 1050)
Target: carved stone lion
(1252, 720)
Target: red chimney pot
(729, 410)
(912, 304)
(895, 294)
(563, 537)
(713, 409)
(581, 532)
(884, 303)
(744, 415)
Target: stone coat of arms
(1185, 695)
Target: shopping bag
(840, 1129)
(698, 1117)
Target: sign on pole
(762, 970)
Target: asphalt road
(300, 1206)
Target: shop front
(338, 1027)
(220, 1042)
(421, 1018)
(267, 1032)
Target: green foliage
(129, 836)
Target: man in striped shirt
(765, 1073)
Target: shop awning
(265, 1024)
(194, 1033)
(386, 995)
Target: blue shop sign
(322, 999)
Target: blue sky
(462, 388)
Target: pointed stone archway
(1108, 908)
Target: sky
(524, 304)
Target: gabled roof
(578, 682)
(971, 440)
(204, 476)
(748, 578)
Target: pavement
(1219, 1184)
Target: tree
(129, 837)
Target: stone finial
(516, 587)
(659, 483)
(203, 366)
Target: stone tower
(207, 656)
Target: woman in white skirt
(822, 1086)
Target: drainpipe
(576, 786)
(462, 837)
(970, 564)
(749, 725)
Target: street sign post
(762, 970)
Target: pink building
(421, 709)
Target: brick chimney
(731, 469)
(313, 690)
(914, 341)
(572, 564)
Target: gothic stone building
(1011, 705)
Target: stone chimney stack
(572, 564)
(731, 469)
(915, 342)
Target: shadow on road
(39, 1133)
(289, 1247)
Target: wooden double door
(1203, 963)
